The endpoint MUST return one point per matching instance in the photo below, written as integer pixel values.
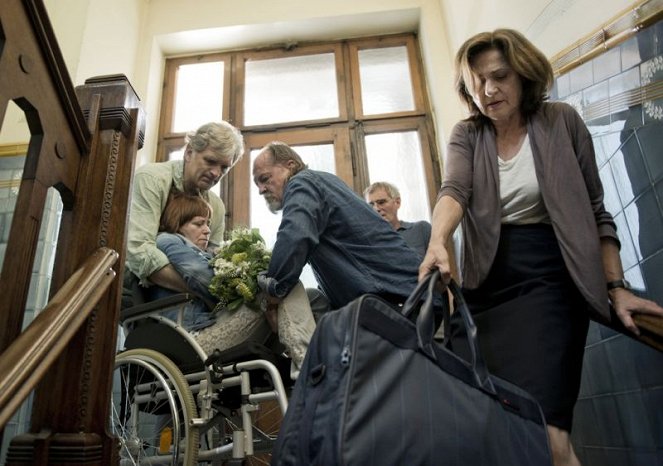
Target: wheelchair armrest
(140, 310)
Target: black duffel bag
(376, 389)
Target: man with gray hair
(385, 199)
(350, 249)
(210, 152)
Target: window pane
(290, 89)
(176, 154)
(386, 84)
(198, 95)
(318, 157)
(397, 158)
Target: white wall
(133, 36)
(175, 27)
(111, 39)
(96, 37)
(551, 25)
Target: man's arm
(299, 233)
(143, 257)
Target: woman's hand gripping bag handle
(426, 323)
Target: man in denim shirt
(351, 249)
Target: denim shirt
(351, 249)
(192, 264)
(416, 235)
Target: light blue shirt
(192, 264)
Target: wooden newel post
(71, 405)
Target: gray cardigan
(570, 186)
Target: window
(280, 90)
(198, 95)
(356, 108)
(385, 75)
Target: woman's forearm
(612, 263)
(440, 254)
(446, 217)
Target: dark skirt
(531, 319)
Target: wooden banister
(651, 330)
(83, 144)
(32, 353)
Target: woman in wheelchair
(184, 233)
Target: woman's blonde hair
(181, 208)
(523, 57)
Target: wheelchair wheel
(152, 423)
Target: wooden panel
(32, 74)
(91, 165)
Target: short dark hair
(282, 154)
(182, 208)
(527, 61)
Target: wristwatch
(622, 283)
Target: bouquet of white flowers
(236, 266)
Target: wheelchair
(174, 404)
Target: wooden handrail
(28, 358)
(651, 330)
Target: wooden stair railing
(33, 352)
(83, 143)
(651, 330)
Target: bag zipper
(347, 361)
(345, 356)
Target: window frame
(415, 75)
(170, 140)
(298, 51)
(346, 131)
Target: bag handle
(426, 324)
(425, 320)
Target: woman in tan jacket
(540, 251)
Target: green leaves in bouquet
(236, 266)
